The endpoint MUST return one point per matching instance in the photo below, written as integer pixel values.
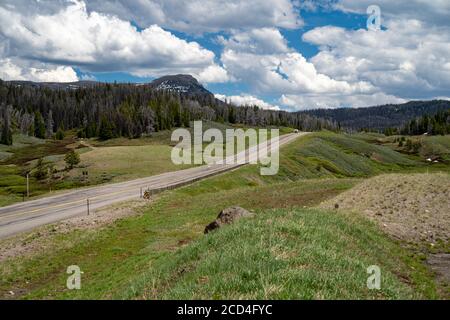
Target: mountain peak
(183, 83)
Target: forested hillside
(434, 125)
(107, 110)
(126, 110)
(379, 118)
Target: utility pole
(87, 202)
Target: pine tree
(72, 159)
(41, 170)
(60, 134)
(39, 126)
(49, 127)
(106, 130)
(6, 131)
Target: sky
(278, 54)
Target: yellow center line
(77, 201)
(64, 204)
(97, 197)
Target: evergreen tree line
(438, 124)
(390, 117)
(126, 110)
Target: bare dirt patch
(440, 264)
(38, 240)
(410, 207)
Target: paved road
(30, 214)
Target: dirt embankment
(41, 239)
(414, 208)
(410, 207)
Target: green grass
(282, 254)
(436, 145)
(164, 137)
(372, 151)
(160, 137)
(326, 154)
(106, 164)
(21, 159)
(368, 136)
(23, 153)
(5, 155)
(112, 256)
(431, 146)
(12, 185)
(136, 254)
(124, 163)
(20, 141)
(8, 199)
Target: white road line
(27, 215)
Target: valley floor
(101, 162)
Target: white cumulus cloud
(247, 100)
(42, 73)
(262, 59)
(433, 12)
(193, 16)
(332, 101)
(97, 42)
(199, 16)
(407, 59)
(213, 73)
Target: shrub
(41, 170)
(72, 159)
(59, 134)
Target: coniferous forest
(106, 111)
(437, 124)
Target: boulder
(227, 216)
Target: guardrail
(152, 191)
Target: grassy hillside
(12, 179)
(129, 246)
(436, 145)
(282, 254)
(331, 155)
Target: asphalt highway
(27, 215)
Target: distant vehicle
(296, 131)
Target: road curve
(24, 216)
